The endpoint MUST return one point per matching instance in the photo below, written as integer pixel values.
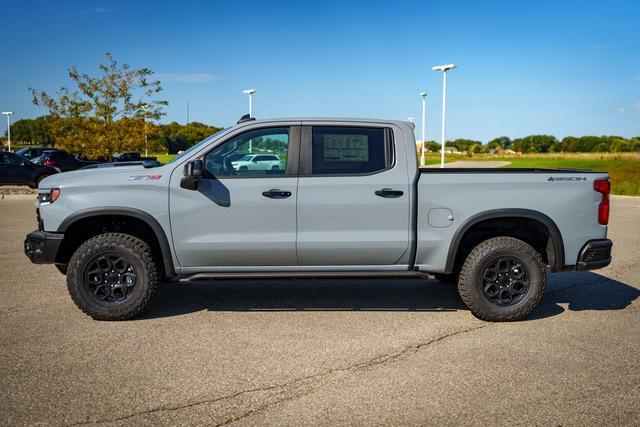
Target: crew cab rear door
(241, 218)
(353, 195)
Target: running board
(304, 275)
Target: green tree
(103, 114)
(534, 143)
(32, 131)
(175, 137)
(501, 142)
(462, 144)
(558, 147)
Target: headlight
(49, 197)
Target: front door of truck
(353, 196)
(239, 217)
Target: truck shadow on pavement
(576, 291)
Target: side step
(304, 275)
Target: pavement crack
(293, 389)
(361, 366)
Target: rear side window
(350, 150)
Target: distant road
(472, 164)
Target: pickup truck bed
(557, 198)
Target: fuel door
(440, 217)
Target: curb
(18, 197)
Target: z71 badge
(144, 177)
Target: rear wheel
(502, 279)
(112, 276)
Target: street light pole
(424, 125)
(250, 92)
(444, 69)
(144, 121)
(8, 114)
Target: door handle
(274, 193)
(388, 193)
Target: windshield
(245, 158)
(197, 146)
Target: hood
(98, 174)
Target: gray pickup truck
(345, 199)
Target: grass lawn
(623, 168)
(163, 158)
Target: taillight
(48, 163)
(603, 186)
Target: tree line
(545, 144)
(161, 138)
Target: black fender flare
(165, 248)
(554, 233)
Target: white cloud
(637, 106)
(185, 77)
(620, 110)
(100, 10)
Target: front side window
(349, 150)
(257, 153)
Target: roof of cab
(252, 120)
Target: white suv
(257, 162)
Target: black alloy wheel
(110, 279)
(505, 281)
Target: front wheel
(112, 276)
(502, 279)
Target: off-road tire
(449, 279)
(138, 254)
(470, 283)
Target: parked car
(130, 156)
(32, 153)
(351, 201)
(62, 160)
(257, 162)
(16, 170)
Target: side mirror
(192, 174)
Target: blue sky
(563, 68)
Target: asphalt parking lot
(321, 351)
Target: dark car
(16, 170)
(62, 160)
(130, 156)
(31, 153)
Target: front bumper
(42, 247)
(594, 254)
